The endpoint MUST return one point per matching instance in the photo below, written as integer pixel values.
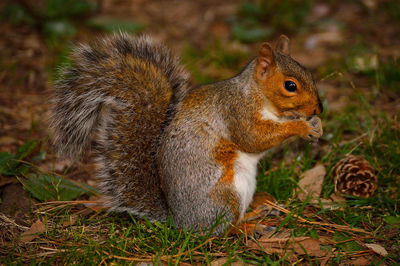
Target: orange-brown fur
(265, 134)
(225, 153)
(229, 124)
(303, 101)
(196, 98)
(164, 148)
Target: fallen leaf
(378, 249)
(282, 246)
(361, 261)
(311, 182)
(276, 247)
(337, 198)
(309, 246)
(224, 260)
(283, 233)
(37, 228)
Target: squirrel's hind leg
(206, 215)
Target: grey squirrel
(164, 147)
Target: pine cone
(355, 176)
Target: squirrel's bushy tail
(116, 94)
(88, 85)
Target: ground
(352, 49)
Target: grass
(218, 60)
(95, 238)
(259, 20)
(125, 239)
(78, 234)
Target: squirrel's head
(287, 85)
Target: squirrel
(164, 147)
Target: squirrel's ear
(283, 45)
(265, 60)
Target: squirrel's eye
(290, 86)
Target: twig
(9, 221)
(301, 219)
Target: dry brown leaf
(311, 182)
(311, 247)
(223, 260)
(361, 261)
(337, 198)
(270, 249)
(297, 245)
(378, 249)
(324, 261)
(37, 228)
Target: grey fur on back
(83, 89)
(117, 93)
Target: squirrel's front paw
(314, 129)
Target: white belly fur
(245, 169)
